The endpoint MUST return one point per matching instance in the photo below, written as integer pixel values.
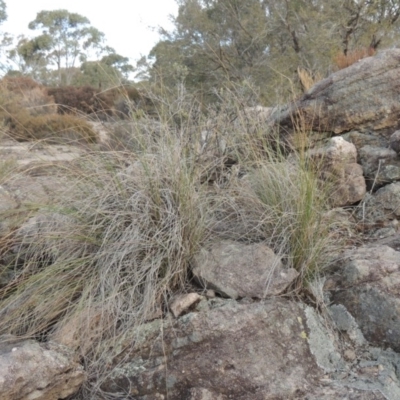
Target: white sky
(128, 25)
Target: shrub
(85, 99)
(29, 94)
(51, 128)
(342, 60)
(127, 101)
(20, 84)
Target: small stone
(210, 294)
(181, 303)
(350, 355)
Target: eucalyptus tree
(220, 42)
(64, 41)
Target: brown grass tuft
(342, 60)
(308, 79)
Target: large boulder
(364, 97)
(273, 349)
(41, 371)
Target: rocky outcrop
(362, 97)
(30, 370)
(366, 281)
(235, 269)
(245, 351)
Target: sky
(130, 26)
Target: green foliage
(111, 71)
(3, 11)
(226, 42)
(65, 39)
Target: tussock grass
(307, 79)
(342, 60)
(113, 248)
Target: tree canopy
(65, 39)
(221, 42)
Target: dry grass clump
(28, 113)
(28, 94)
(52, 128)
(118, 102)
(120, 241)
(109, 253)
(342, 60)
(82, 100)
(307, 79)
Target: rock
(366, 282)
(41, 371)
(340, 150)
(337, 151)
(233, 351)
(30, 154)
(341, 221)
(253, 351)
(360, 139)
(259, 112)
(395, 141)
(204, 394)
(38, 189)
(380, 165)
(351, 188)
(183, 302)
(235, 269)
(210, 294)
(361, 97)
(337, 163)
(381, 207)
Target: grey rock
(181, 303)
(380, 165)
(321, 346)
(367, 281)
(345, 322)
(395, 141)
(381, 207)
(30, 370)
(351, 188)
(360, 139)
(337, 163)
(235, 269)
(361, 97)
(251, 351)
